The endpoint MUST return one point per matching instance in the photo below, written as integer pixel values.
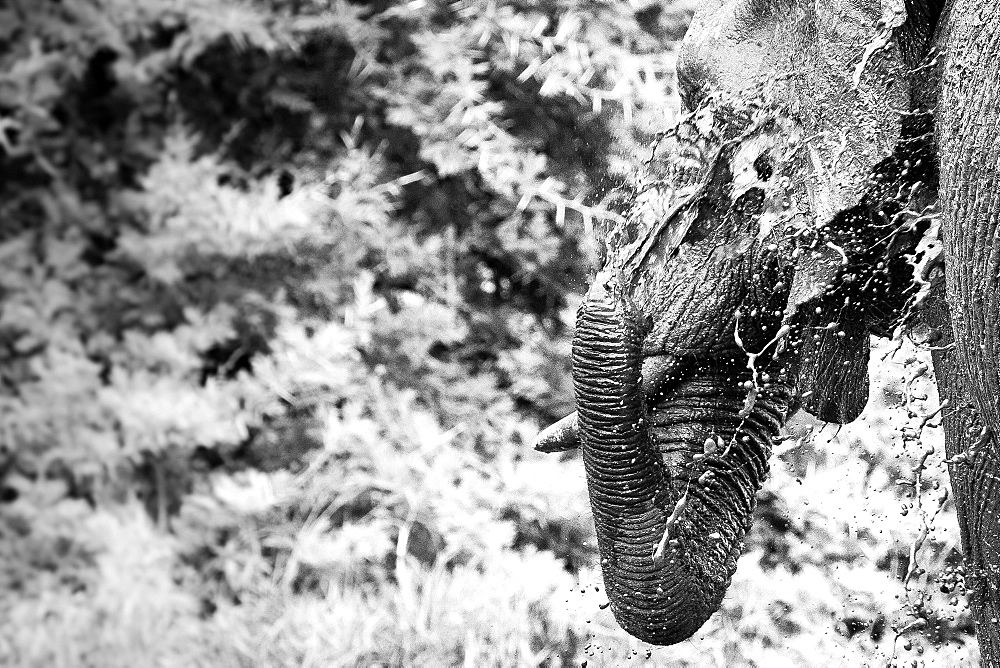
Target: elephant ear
(833, 371)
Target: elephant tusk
(559, 437)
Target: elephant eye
(764, 166)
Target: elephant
(834, 175)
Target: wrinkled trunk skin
(633, 493)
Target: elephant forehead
(809, 54)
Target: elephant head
(775, 230)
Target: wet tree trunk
(969, 374)
(973, 471)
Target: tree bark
(972, 456)
(968, 137)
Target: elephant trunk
(671, 506)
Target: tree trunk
(969, 374)
(966, 449)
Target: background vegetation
(286, 290)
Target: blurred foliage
(287, 287)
